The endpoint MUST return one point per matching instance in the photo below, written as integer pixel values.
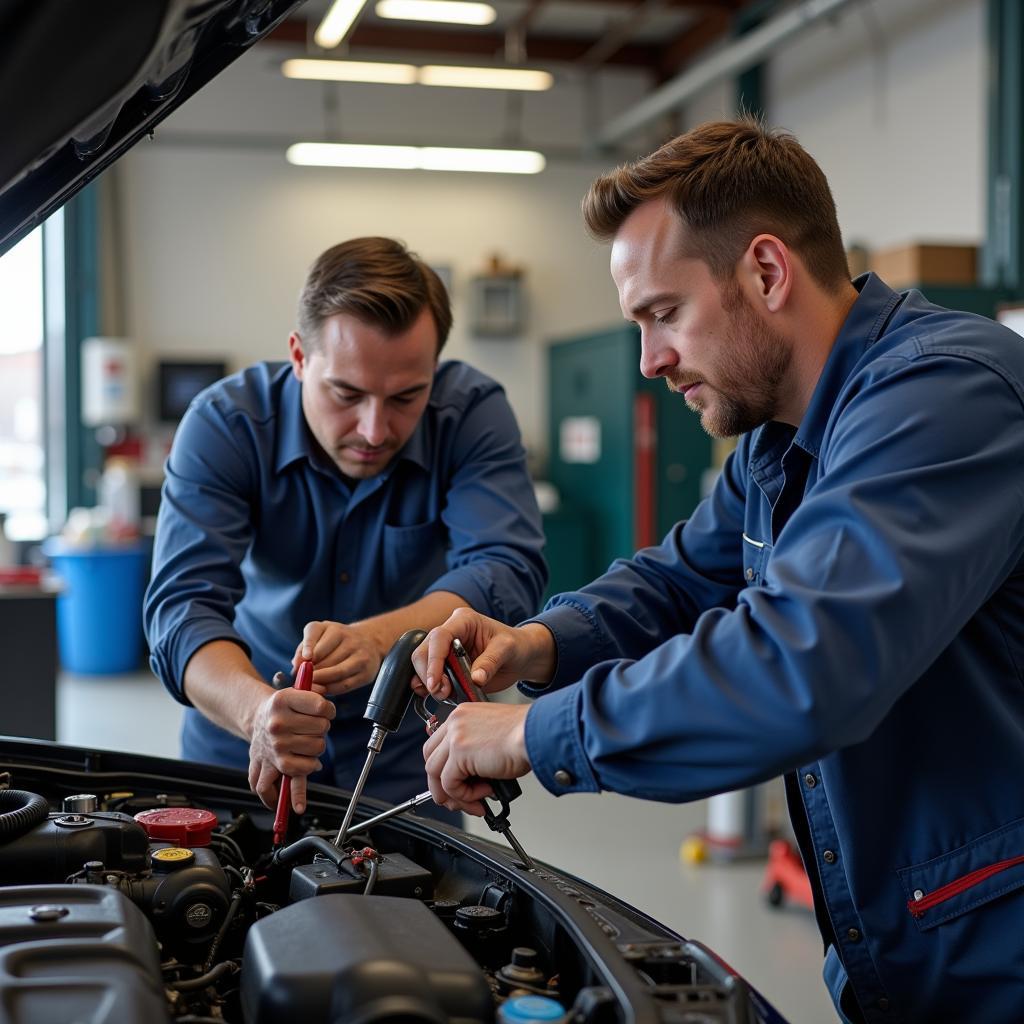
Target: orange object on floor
(785, 877)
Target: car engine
(135, 895)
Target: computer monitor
(178, 382)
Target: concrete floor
(627, 847)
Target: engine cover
(342, 958)
(77, 953)
(59, 846)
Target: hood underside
(80, 83)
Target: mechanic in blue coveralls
(846, 607)
(317, 509)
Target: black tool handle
(392, 691)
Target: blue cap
(531, 1010)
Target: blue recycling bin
(99, 609)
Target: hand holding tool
(389, 700)
(457, 669)
(303, 681)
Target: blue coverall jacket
(846, 607)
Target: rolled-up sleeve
(203, 531)
(916, 516)
(495, 557)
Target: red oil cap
(183, 826)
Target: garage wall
(217, 236)
(891, 102)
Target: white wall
(218, 234)
(891, 102)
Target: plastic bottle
(119, 494)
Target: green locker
(627, 456)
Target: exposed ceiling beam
(619, 33)
(715, 25)
(472, 43)
(744, 52)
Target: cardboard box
(906, 266)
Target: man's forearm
(426, 613)
(223, 684)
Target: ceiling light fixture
(453, 12)
(409, 158)
(351, 71)
(337, 21)
(525, 79)
(485, 78)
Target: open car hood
(113, 907)
(81, 82)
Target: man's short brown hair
(730, 181)
(376, 280)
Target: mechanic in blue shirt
(333, 502)
(846, 607)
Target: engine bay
(136, 889)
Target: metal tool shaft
(514, 843)
(406, 805)
(373, 747)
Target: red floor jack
(785, 878)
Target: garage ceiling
(660, 36)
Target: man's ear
(296, 354)
(766, 269)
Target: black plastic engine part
(484, 932)
(77, 953)
(19, 811)
(396, 876)
(359, 960)
(59, 846)
(186, 897)
(524, 972)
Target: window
(22, 469)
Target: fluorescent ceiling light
(485, 78)
(351, 71)
(455, 12)
(408, 74)
(337, 21)
(408, 158)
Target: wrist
(542, 656)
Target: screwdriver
(406, 805)
(457, 668)
(389, 700)
(303, 681)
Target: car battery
(396, 876)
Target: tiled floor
(628, 847)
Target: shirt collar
(294, 440)
(864, 324)
(862, 328)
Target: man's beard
(746, 378)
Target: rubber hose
(20, 811)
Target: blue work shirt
(259, 533)
(847, 606)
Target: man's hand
(501, 655)
(288, 731)
(344, 657)
(478, 741)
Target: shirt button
(564, 778)
(853, 935)
(343, 577)
(830, 857)
(810, 781)
(750, 574)
(883, 1004)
